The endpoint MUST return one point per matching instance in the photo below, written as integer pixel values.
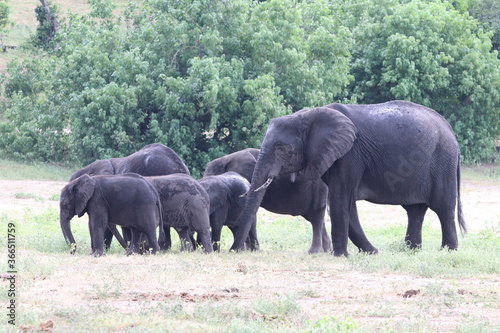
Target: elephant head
(242, 162)
(302, 146)
(74, 198)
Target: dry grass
(278, 288)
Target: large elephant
(127, 200)
(185, 207)
(397, 153)
(152, 160)
(305, 198)
(226, 202)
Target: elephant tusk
(244, 195)
(265, 185)
(293, 177)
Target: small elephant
(127, 200)
(396, 153)
(284, 196)
(152, 160)
(226, 202)
(185, 207)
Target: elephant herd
(397, 153)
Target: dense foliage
(205, 77)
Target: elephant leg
(97, 228)
(108, 237)
(416, 213)
(206, 240)
(151, 241)
(185, 238)
(114, 231)
(134, 243)
(327, 241)
(357, 235)
(127, 235)
(217, 220)
(319, 230)
(216, 233)
(167, 242)
(448, 228)
(252, 235)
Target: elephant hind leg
(416, 213)
(448, 228)
(357, 235)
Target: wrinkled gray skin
(226, 202)
(152, 160)
(305, 198)
(396, 153)
(127, 200)
(185, 207)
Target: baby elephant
(185, 207)
(226, 203)
(127, 200)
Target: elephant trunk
(264, 173)
(66, 230)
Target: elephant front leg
(96, 228)
(339, 215)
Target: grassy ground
(280, 288)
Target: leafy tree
(48, 22)
(204, 77)
(443, 61)
(4, 13)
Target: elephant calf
(226, 203)
(185, 207)
(127, 200)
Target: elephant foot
(73, 248)
(340, 253)
(372, 250)
(316, 249)
(97, 253)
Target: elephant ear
(330, 135)
(84, 189)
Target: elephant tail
(460, 214)
(161, 235)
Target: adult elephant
(306, 198)
(226, 203)
(152, 160)
(127, 200)
(397, 153)
(185, 207)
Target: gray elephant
(306, 198)
(152, 160)
(185, 207)
(397, 153)
(226, 202)
(127, 200)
